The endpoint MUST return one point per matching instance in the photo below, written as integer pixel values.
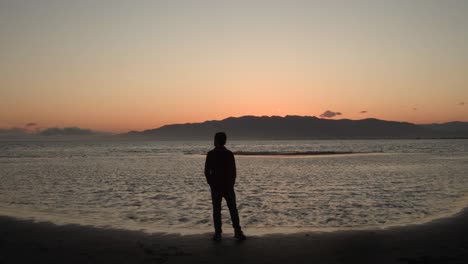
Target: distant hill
(302, 127)
(450, 129)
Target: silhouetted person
(220, 172)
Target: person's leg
(230, 197)
(216, 198)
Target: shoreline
(44, 217)
(444, 240)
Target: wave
(294, 153)
(288, 153)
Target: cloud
(363, 112)
(14, 131)
(461, 103)
(415, 109)
(330, 114)
(52, 133)
(31, 124)
(68, 131)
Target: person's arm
(208, 168)
(233, 169)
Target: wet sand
(440, 241)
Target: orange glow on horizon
(146, 65)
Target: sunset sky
(132, 65)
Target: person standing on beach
(220, 172)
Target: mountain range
(302, 127)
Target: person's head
(220, 139)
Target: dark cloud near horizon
(31, 124)
(461, 103)
(36, 134)
(330, 114)
(12, 131)
(363, 112)
(68, 131)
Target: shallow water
(161, 184)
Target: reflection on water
(162, 183)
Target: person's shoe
(239, 235)
(217, 236)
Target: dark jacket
(220, 168)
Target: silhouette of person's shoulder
(219, 151)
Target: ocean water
(160, 185)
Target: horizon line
(39, 129)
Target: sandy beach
(440, 241)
